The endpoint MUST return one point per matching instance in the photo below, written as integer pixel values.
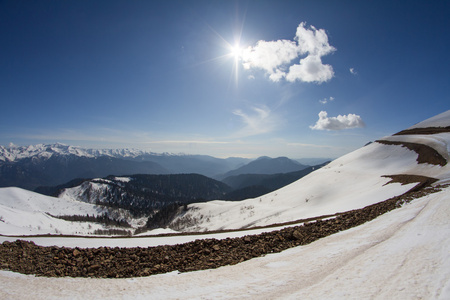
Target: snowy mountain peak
(14, 152)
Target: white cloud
(313, 41)
(277, 76)
(337, 123)
(260, 121)
(270, 56)
(275, 57)
(353, 71)
(326, 100)
(310, 69)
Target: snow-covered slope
(26, 213)
(440, 120)
(350, 182)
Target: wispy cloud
(182, 142)
(353, 71)
(308, 145)
(326, 100)
(337, 123)
(275, 57)
(260, 120)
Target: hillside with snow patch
(350, 182)
(27, 213)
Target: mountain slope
(353, 181)
(255, 185)
(267, 165)
(25, 212)
(270, 181)
(142, 195)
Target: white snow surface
(440, 120)
(123, 179)
(24, 212)
(349, 182)
(403, 254)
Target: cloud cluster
(337, 123)
(275, 57)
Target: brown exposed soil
(427, 130)
(423, 181)
(28, 258)
(426, 153)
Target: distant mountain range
(271, 181)
(49, 165)
(267, 165)
(33, 166)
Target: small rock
(297, 235)
(94, 267)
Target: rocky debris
(105, 262)
(425, 130)
(426, 153)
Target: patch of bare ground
(105, 262)
(426, 154)
(423, 181)
(427, 130)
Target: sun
(236, 52)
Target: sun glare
(236, 52)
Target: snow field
(26, 213)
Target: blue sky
(223, 78)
